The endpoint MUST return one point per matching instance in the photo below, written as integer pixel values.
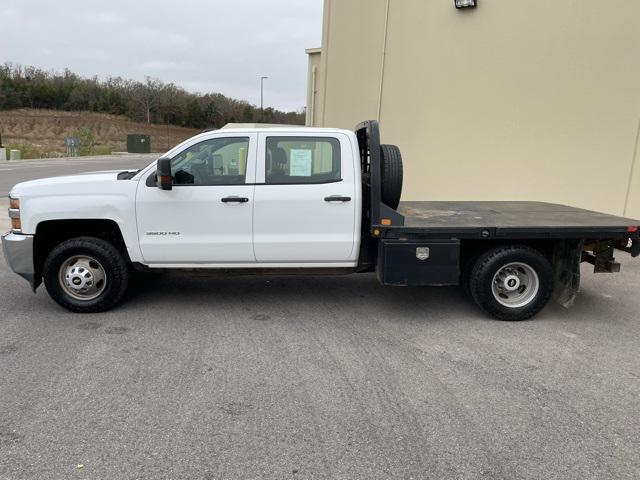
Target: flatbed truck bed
(485, 219)
(511, 257)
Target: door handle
(235, 200)
(337, 198)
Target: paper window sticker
(300, 162)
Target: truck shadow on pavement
(269, 298)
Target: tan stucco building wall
(515, 99)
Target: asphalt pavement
(310, 378)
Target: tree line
(151, 101)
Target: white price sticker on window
(300, 162)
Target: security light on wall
(466, 3)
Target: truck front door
(207, 217)
(305, 199)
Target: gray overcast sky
(203, 46)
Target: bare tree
(146, 95)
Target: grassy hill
(41, 133)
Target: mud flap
(567, 258)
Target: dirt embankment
(45, 130)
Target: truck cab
(240, 198)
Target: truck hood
(74, 197)
(67, 184)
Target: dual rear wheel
(510, 282)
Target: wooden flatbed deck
(499, 219)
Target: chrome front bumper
(18, 252)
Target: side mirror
(163, 174)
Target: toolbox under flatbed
(513, 219)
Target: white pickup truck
(298, 201)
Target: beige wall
(527, 100)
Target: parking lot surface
(23, 170)
(327, 377)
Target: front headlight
(14, 214)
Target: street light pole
(262, 79)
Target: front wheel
(511, 282)
(86, 275)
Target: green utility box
(138, 143)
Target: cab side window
(217, 161)
(291, 160)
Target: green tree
(195, 115)
(149, 101)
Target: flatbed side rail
(492, 233)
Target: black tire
(391, 175)
(465, 273)
(485, 269)
(112, 264)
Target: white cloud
(201, 45)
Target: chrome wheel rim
(515, 285)
(82, 277)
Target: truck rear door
(305, 199)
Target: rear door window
(299, 160)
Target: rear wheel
(511, 282)
(86, 274)
(468, 262)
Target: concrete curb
(5, 223)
